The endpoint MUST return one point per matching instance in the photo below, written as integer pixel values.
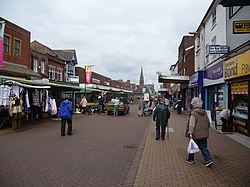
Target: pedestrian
(141, 106)
(66, 111)
(116, 105)
(179, 106)
(161, 116)
(224, 116)
(151, 106)
(101, 102)
(83, 104)
(198, 130)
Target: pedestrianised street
(116, 151)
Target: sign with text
(237, 66)
(218, 49)
(241, 27)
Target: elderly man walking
(161, 116)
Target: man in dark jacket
(198, 129)
(161, 116)
(66, 111)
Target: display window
(239, 99)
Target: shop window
(239, 99)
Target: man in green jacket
(161, 116)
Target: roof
(69, 55)
(17, 69)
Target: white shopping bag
(192, 147)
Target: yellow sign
(239, 88)
(241, 27)
(237, 66)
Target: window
(43, 66)
(214, 43)
(52, 73)
(17, 49)
(6, 44)
(59, 74)
(233, 10)
(35, 64)
(207, 54)
(214, 18)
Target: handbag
(192, 147)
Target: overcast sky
(117, 36)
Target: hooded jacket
(198, 124)
(66, 110)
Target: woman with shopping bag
(198, 131)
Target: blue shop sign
(196, 80)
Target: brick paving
(103, 151)
(120, 151)
(162, 162)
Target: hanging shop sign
(241, 27)
(218, 49)
(214, 75)
(237, 66)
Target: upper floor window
(214, 18)
(59, 75)
(52, 73)
(43, 66)
(233, 10)
(6, 44)
(35, 64)
(17, 48)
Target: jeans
(202, 144)
(115, 110)
(100, 109)
(63, 123)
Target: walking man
(116, 105)
(161, 116)
(198, 129)
(66, 111)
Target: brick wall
(17, 33)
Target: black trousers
(63, 124)
(224, 124)
(160, 131)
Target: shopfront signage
(239, 88)
(241, 27)
(218, 49)
(237, 66)
(214, 75)
(196, 80)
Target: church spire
(141, 81)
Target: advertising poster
(88, 71)
(2, 25)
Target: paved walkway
(162, 162)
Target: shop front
(215, 91)
(237, 75)
(196, 86)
